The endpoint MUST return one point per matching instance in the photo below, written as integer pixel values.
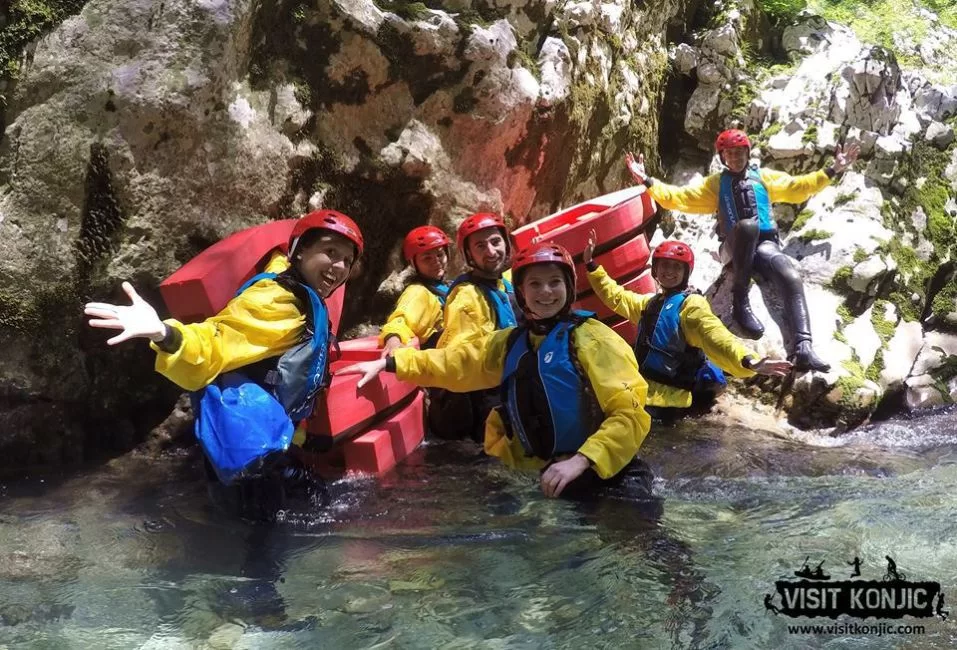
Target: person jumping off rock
(742, 197)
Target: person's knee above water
(742, 196)
(573, 400)
(418, 312)
(677, 331)
(270, 342)
(480, 301)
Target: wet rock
(941, 135)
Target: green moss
(520, 57)
(810, 135)
(860, 255)
(844, 314)
(782, 13)
(25, 21)
(873, 372)
(945, 302)
(404, 10)
(924, 161)
(802, 218)
(884, 328)
(814, 235)
(842, 198)
(841, 282)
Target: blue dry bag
(238, 424)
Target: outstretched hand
(136, 320)
(636, 167)
(368, 369)
(845, 156)
(589, 251)
(775, 367)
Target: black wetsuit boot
(804, 357)
(774, 264)
(744, 243)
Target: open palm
(136, 320)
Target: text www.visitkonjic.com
(856, 628)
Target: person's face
(736, 158)
(670, 273)
(432, 264)
(544, 289)
(488, 250)
(326, 262)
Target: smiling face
(325, 261)
(545, 289)
(670, 273)
(432, 264)
(488, 250)
(736, 158)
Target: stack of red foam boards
(619, 220)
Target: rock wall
(139, 132)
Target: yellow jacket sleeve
(697, 198)
(263, 321)
(626, 304)
(418, 313)
(613, 372)
(467, 315)
(474, 364)
(784, 188)
(704, 330)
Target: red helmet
(422, 239)
(544, 253)
(674, 250)
(476, 222)
(730, 139)
(327, 220)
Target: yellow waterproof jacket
(478, 364)
(263, 321)
(418, 313)
(467, 314)
(702, 198)
(700, 327)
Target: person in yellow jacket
(573, 400)
(742, 198)
(256, 328)
(418, 312)
(677, 332)
(480, 302)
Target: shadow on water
(453, 550)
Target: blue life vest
(753, 200)
(438, 289)
(247, 414)
(662, 352)
(547, 399)
(500, 301)
(441, 291)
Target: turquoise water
(453, 551)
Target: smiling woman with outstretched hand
(572, 398)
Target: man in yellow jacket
(575, 411)
(418, 312)
(742, 197)
(480, 302)
(677, 331)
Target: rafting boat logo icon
(893, 596)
